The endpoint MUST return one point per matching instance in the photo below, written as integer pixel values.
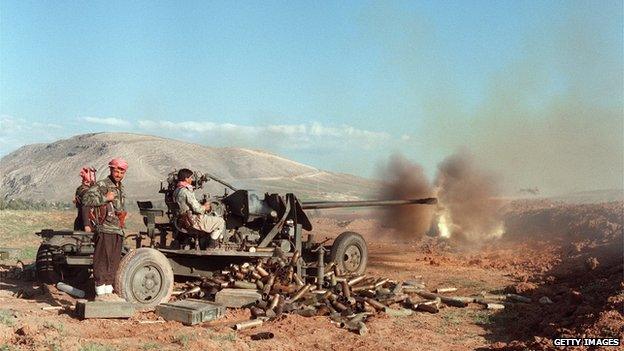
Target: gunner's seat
(184, 233)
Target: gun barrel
(316, 205)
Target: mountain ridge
(49, 171)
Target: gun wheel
(350, 253)
(51, 266)
(144, 278)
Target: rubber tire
(51, 273)
(340, 246)
(47, 271)
(135, 260)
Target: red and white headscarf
(119, 163)
(88, 175)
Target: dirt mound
(547, 220)
(580, 272)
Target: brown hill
(49, 172)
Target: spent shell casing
(381, 282)
(248, 324)
(262, 336)
(339, 306)
(289, 274)
(363, 287)
(193, 290)
(368, 308)
(294, 258)
(346, 291)
(298, 280)
(495, 306)
(356, 279)
(445, 290)
(274, 301)
(257, 312)
(518, 298)
(269, 285)
(300, 293)
(376, 304)
(261, 271)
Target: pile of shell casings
(348, 300)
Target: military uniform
(185, 198)
(82, 217)
(110, 216)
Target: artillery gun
(257, 226)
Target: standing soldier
(83, 217)
(108, 199)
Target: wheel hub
(352, 258)
(146, 283)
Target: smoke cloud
(406, 180)
(551, 119)
(548, 114)
(468, 208)
(467, 197)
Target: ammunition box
(190, 311)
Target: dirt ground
(570, 254)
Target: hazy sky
(338, 85)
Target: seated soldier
(195, 212)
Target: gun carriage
(258, 225)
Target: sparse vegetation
(6, 318)
(184, 339)
(7, 347)
(59, 327)
(28, 253)
(452, 317)
(150, 346)
(97, 347)
(19, 204)
(482, 318)
(231, 337)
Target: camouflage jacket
(96, 197)
(83, 211)
(185, 198)
(80, 191)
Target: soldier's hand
(110, 196)
(87, 229)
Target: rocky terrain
(569, 257)
(49, 172)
